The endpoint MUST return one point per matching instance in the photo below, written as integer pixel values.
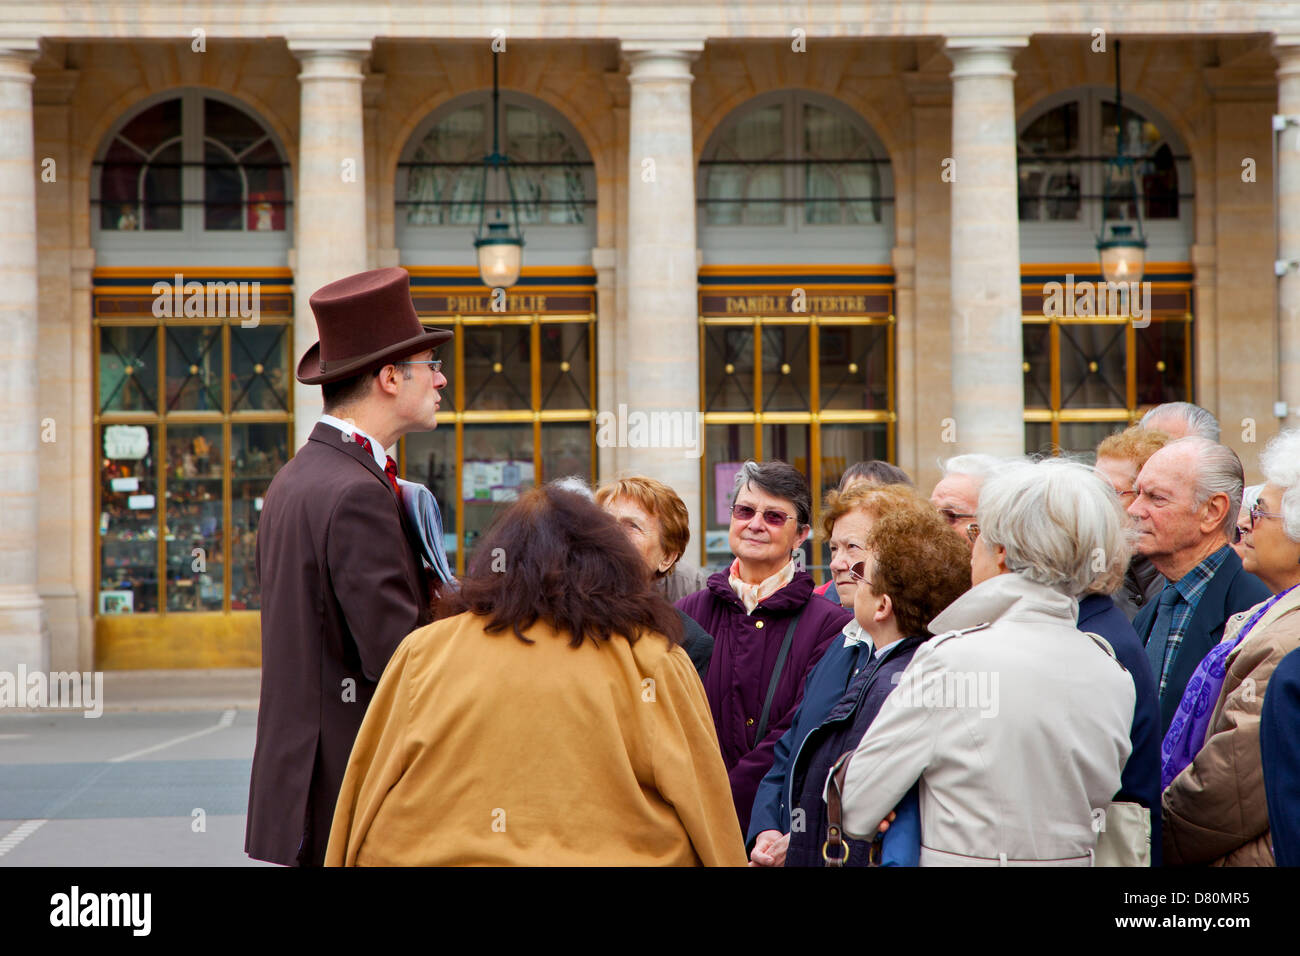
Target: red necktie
(390, 469)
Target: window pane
(498, 466)
(566, 371)
(855, 367)
(257, 452)
(162, 190)
(844, 445)
(119, 187)
(1038, 365)
(728, 369)
(1093, 366)
(787, 383)
(431, 460)
(264, 174)
(442, 195)
(259, 358)
(566, 450)
(128, 520)
(128, 378)
(726, 448)
(1049, 174)
(829, 136)
(223, 190)
(789, 443)
(194, 519)
(1081, 439)
(1156, 169)
(154, 126)
(1162, 374)
(553, 194)
(497, 367)
(194, 368)
(230, 126)
(757, 136)
(1038, 438)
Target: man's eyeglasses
(952, 517)
(771, 516)
(972, 531)
(435, 364)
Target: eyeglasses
(1256, 514)
(952, 517)
(1238, 532)
(1125, 495)
(771, 516)
(972, 531)
(859, 570)
(435, 364)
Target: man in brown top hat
(341, 583)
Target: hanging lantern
(1121, 246)
(499, 243)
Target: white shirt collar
(348, 429)
(855, 633)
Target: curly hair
(1135, 444)
(920, 564)
(558, 556)
(875, 500)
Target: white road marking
(226, 720)
(18, 834)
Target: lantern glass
(1123, 260)
(499, 261)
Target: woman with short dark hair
(549, 717)
(768, 628)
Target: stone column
(662, 336)
(23, 636)
(1288, 231)
(330, 202)
(987, 379)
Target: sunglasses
(771, 516)
(859, 570)
(972, 531)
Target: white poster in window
(126, 442)
(140, 502)
(125, 484)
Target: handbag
(1124, 837)
(835, 852)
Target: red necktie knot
(390, 468)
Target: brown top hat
(365, 321)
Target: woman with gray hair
(1215, 808)
(1015, 722)
(768, 627)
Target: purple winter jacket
(745, 648)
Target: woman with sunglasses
(1215, 808)
(1015, 723)
(768, 627)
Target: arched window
(439, 181)
(794, 162)
(191, 162)
(1062, 150)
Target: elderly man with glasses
(958, 491)
(768, 627)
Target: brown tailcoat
(341, 588)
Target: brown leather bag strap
(835, 852)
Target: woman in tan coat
(1214, 804)
(549, 718)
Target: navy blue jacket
(1279, 747)
(1231, 589)
(825, 686)
(1140, 782)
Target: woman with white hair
(1215, 809)
(1015, 722)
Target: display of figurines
(188, 468)
(202, 452)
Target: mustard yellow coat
(478, 749)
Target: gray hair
(1060, 523)
(978, 466)
(1218, 472)
(1280, 463)
(780, 480)
(1199, 422)
(575, 484)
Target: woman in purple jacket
(769, 629)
